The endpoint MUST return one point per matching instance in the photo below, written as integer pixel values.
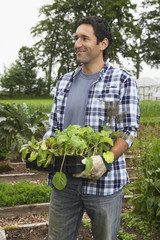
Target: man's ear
(104, 44)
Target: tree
(150, 19)
(145, 45)
(21, 77)
(56, 31)
(27, 63)
(12, 79)
(135, 50)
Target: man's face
(86, 47)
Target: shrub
(17, 126)
(147, 197)
(23, 193)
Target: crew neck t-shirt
(77, 99)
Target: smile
(79, 52)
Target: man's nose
(78, 43)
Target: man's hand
(97, 170)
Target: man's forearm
(120, 146)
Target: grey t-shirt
(76, 106)
(77, 99)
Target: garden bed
(20, 172)
(34, 227)
(39, 231)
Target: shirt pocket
(110, 94)
(107, 107)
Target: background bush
(24, 193)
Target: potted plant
(62, 154)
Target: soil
(41, 232)
(19, 167)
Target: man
(85, 97)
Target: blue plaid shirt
(113, 86)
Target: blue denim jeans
(66, 211)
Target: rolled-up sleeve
(129, 110)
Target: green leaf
(73, 129)
(106, 132)
(150, 202)
(89, 164)
(24, 153)
(62, 139)
(43, 146)
(108, 156)
(33, 156)
(59, 180)
(106, 140)
(158, 210)
(76, 142)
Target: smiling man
(88, 50)
(86, 97)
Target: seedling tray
(72, 164)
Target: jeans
(66, 211)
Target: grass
(42, 105)
(28, 101)
(149, 110)
(150, 120)
(149, 132)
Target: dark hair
(101, 29)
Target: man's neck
(92, 68)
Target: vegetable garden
(20, 121)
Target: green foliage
(17, 125)
(122, 235)
(149, 21)
(27, 63)
(150, 109)
(147, 197)
(33, 105)
(138, 223)
(3, 151)
(73, 140)
(146, 190)
(86, 223)
(56, 31)
(23, 193)
(21, 77)
(11, 80)
(145, 46)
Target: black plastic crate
(72, 164)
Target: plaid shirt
(112, 101)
